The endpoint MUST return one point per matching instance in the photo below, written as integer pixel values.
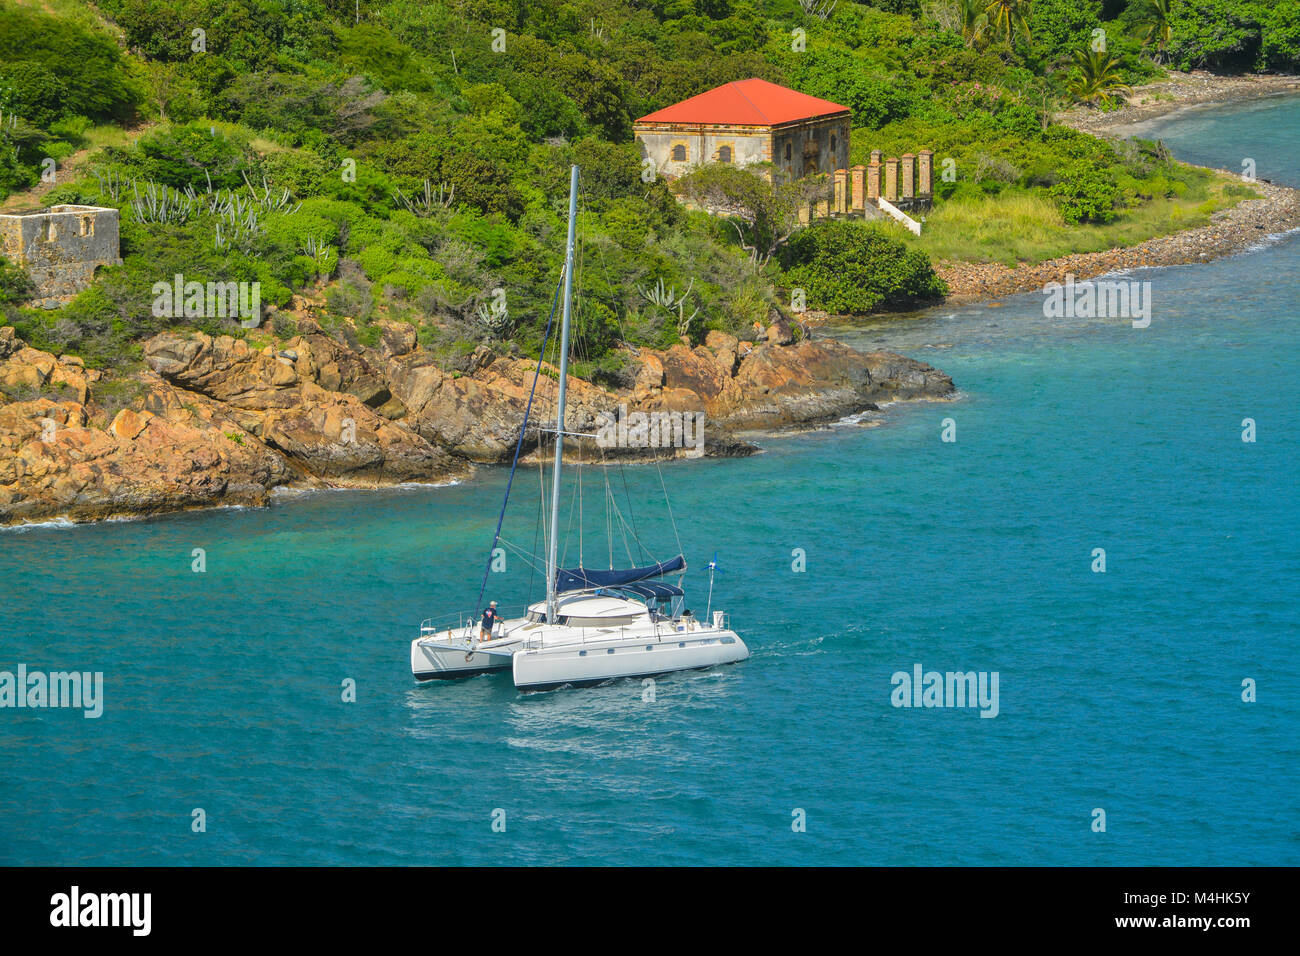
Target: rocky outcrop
(319, 403)
(54, 461)
(772, 386)
(220, 421)
(27, 370)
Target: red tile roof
(751, 102)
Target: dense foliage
(409, 160)
(849, 266)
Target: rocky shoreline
(1178, 92)
(1230, 231)
(219, 422)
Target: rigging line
(526, 557)
(541, 511)
(609, 516)
(669, 505)
(514, 462)
(568, 528)
(627, 494)
(537, 526)
(625, 529)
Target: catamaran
(594, 625)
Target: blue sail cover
(582, 579)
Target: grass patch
(1023, 226)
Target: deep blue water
(1119, 691)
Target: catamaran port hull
(433, 661)
(584, 664)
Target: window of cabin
(833, 141)
(679, 154)
(724, 154)
(789, 152)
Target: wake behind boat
(594, 625)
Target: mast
(552, 568)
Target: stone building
(60, 248)
(748, 122)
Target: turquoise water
(1119, 691)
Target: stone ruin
(60, 248)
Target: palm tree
(1008, 17)
(1153, 24)
(1097, 79)
(974, 21)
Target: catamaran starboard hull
(584, 664)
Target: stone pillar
(841, 191)
(857, 188)
(877, 156)
(909, 176)
(822, 209)
(873, 180)
(891, 179)
(805, 214)
(925, 173)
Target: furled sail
(581, 579)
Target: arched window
(724, 154)
(679, 154)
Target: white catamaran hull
(598, 661)
(434, 659)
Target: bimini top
(585, 579)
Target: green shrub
(14, 284)
(846, 266)
(1086, 194)
(189, 155)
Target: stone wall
(811, 147)
(702, 144)
(61, 247)
(794, 150)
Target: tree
(1009, 17)
(1097, 79)
(848, 266)
(973, 21)
(764, 216)
(1153, 25)
(1281, 39)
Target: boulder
(780, 333)
(719, 341)
(128, 424)
(53, 463)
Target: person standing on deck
(490, 618)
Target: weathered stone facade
(791, 151)
(61, 247)
(785, 133)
